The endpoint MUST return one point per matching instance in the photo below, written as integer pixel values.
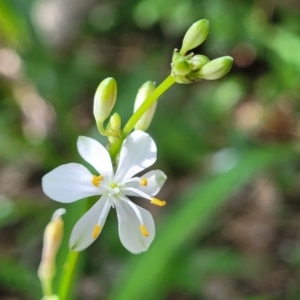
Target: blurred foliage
(229, 147)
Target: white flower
(71, 182)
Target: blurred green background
(231, 229)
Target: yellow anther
(97, 230)
(158, 202)
(144, 230)
(96, 180)
(143, 181)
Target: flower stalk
(160, 90)
(114, 181)
(68, 275)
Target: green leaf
(143, 275)
(15, 276)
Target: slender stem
(47, 287)
(100, 128)
(69, 267)
(68, 275)
(166, 84)
(105, 132)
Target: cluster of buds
(190, 68)
(186, 68)
(104, 101)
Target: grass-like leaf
(143, 275)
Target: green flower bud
(180, 65)
(216, 68)
(143, 93)
(105, 99)
(195, 35)
(114, 128)
(198, 61)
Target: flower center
(113, 188)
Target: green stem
(47, 287)
(165, 85)
(68, 275)
(100, 128)
(69, 267)
(108, 133)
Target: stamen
(144, 230)
(97, 230)
(136, 191)
(96, 180)
(158, 202)
(143, 181)
(138, 214)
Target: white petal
(155, 180)
(68, 183)
(82, 233)
(129, 227)
(95, 154)
(138, 152)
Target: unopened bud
(195, 35)
(198, 61)
(114, 128)
(105, 99)
(143, 93)
(216, 68)
(52, 238)
(180, 65)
